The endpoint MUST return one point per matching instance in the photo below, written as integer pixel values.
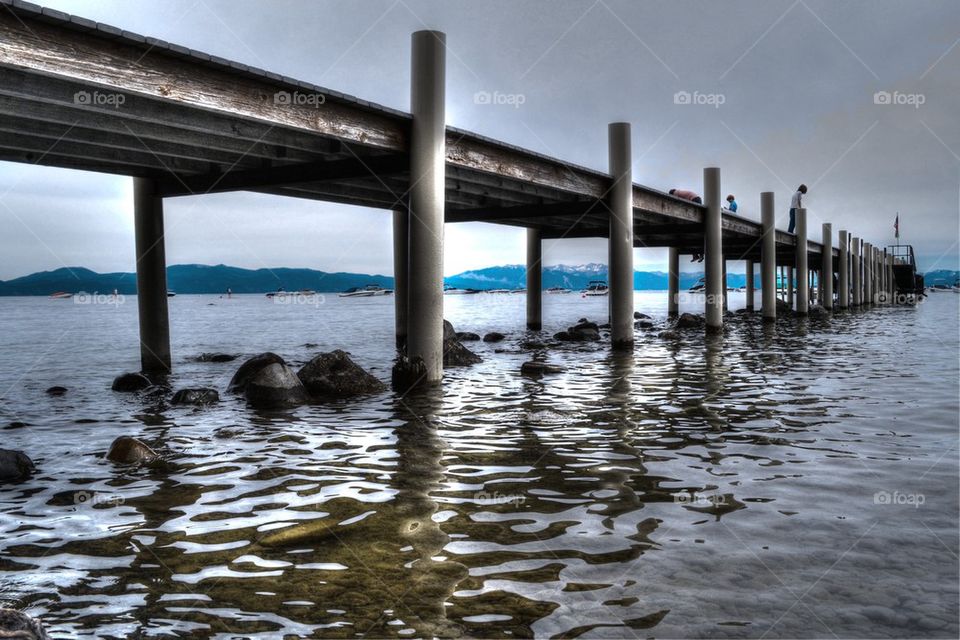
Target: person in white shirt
(795, 203)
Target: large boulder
(274, 386)
(130, 382)
(128, 450)
(640, 316)
(583, 331)
(335, 375)
(250, 368)
(689, 321)
(197, 396)
(467, 336)
(16, 624)
(454, 353)
(15, 466)
(493, 336)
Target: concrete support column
(427, 175)
(534, 279)
(803, 278)
(673, 282)
(843, 275)
(151, 277)
(883, 276)
(725, 300)
(857, 273)
(790, 286)
(826, 270)
(713, 260)
(768, 257)
(749, 305)
(401, 239)
(621, 235)
(867, 273)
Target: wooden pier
(83, 95)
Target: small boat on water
(368, 291)
(61, 295)
(497, 291)
(171, 294)
(449, 290)
(559, 290)
(596, 288)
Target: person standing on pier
(795, 203)
(731, 203)
(692, 197)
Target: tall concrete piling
(768, 257)
(715, 289)
(621, 235)
(151, 277)
(790, 287)
(673, 282)
(534, 279)
(427, 184)
(857, 273)
(826, 269)
(401, 261)
(749, 284)
(843, 274)
(803, 282)
(867, 260)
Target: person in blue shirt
(731, 203)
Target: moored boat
(368, 291)
(61, 295)
(596, 288)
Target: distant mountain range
(198, 278)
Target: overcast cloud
(797, 82)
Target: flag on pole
(896, 227)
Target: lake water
(796, 480)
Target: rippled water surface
(785, 481)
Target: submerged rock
(689, 321)
(56, 391)
(15, 466)
(643, 324)
(640, 316)
(335, 375)
(128, 450)
(216, 357)
(250, 368)
(198, 396)
(669, 335)
(532, 368)
(493, 336)
(16, 624)
(467, 336)
(275, 386)
(783, 306)
(130, 382)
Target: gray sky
(797, 82)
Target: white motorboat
(365, 292)
(454, 291)
(596, 288)
(559, 290)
